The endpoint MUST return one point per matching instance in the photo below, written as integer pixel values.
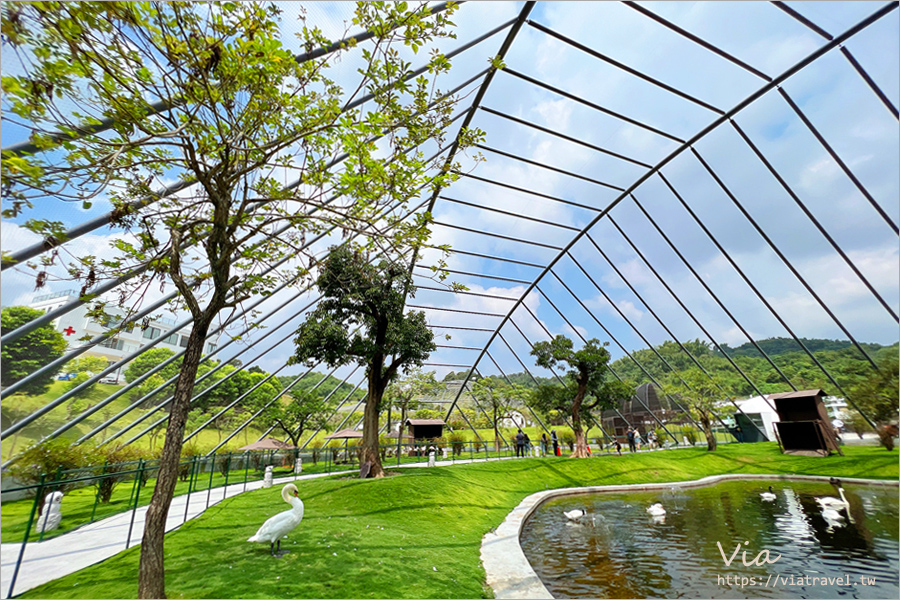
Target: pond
(618, 550)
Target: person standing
(545, 442)
(637, 439)
(520, 444)
(527, 445)
(630, 436)
(555, 440)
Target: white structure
(761, 413)
(51, 514)
(267, 478)
(76, 324)
(835, 406)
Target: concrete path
(90, 544)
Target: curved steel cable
(771, 84)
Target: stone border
(509, 573)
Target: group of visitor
(635, 441)
(523, 443)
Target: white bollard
(431, 458)
(298, 466)
(267, 478)
(445, 451)
(684, 437)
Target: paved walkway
(90, 544)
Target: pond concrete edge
(508, 572)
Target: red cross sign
(69, 330)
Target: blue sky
(861, 130)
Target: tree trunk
(151, 572)
(711, 443)
(370, 451)
(580, 443)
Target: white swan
(768, 496)
(281, 524)
(832, 502)
(574, 515)
(657, 510)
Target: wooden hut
(804, 427)
(425, 429)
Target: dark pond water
(618, 550)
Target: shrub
(567, 437)
(476, 445)
(50, 458)
(188, 452)
(457, 441)
(116, 460)
(690, 433)
(316, 447)
(661, 436)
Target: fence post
(139, 476)
(187, 500)
(97, 496)
(227, 470)
(212, 471)
(246, 462)
(37, 498)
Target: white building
(76, 324)
(760, 413)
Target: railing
(112, 494)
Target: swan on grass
(657, 510)
(768, 496)
(283, 523)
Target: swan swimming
(574, 515)
(832, 502)
(281, 524)
(657, 510)
(768, 496)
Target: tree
(30, 352)
(86, 364)
(404, 394)
(500, 398)
(703, 397)
(306, 410)
(877, 396)
(354, 291)
(238, 111)
(588, 370)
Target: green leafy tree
(404, 394)
(30, 352)
(588, 370)
(501, 400)
(304, 411)
(86, 364)
(238, 111)
(354, 291)
(876, 394)
(703, 397)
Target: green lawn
(412, 535)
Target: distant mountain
(779, 345)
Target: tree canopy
(360, 320)
(588, 369)
(30, 352)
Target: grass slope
(412, 535)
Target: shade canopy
(269, 444)
(344, 434)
